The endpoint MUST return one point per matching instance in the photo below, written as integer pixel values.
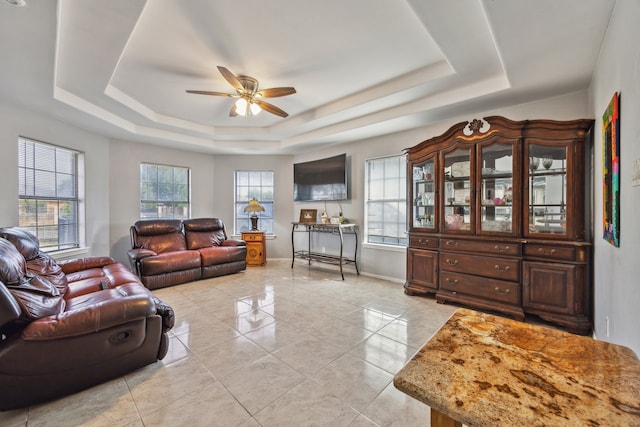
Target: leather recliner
(219, 255)
(167, 252)
(68, 326)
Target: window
(250, 185)
(386, 201)
(164, 191)
(48, 194)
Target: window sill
(69, 253)
(383, 247)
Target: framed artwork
(308, 216)
(611, 171)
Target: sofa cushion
(45, 266)
(204, 232)
(198, 240)
(13, 267)
(160, 235)
(26, 243)
(164, 243)
(36, 295)
(98, 278)
(222, 255)
(170, 262)
(96, 311)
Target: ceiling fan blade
(231, 78)
(206, 92)
(275, 92)
(270, 108)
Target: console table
(485, 370)
(339, 230)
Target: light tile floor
(270, 346)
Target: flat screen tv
(321, 180)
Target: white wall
(617, 288)
(124, 201)
(15, 122)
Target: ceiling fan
(249, 97)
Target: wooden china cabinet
(499, 218)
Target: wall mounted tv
(321, 180)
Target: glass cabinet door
(547, 199)
(458, 194)
(424, 194)
(496, 183)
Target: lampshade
(254, 206)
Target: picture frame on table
(308, 216)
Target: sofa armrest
(234, 242)
(113, 307)
(79, 264)
(135, 255)
(138, 253)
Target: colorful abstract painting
(611, 171)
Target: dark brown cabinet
(499, 218)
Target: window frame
(241, 221)
(34, 172)
(172, 205)
(400, 239)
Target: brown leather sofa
(68, 326)
(167, 252)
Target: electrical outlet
(635, 177)
(324, 250)
(606, 320)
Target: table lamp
(253, 207)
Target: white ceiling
(361, 68)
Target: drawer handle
(451, 261)
(499, 249)
(498, 290)
(502, 269)
(452, 281)
(451, 243)
(543, 252)
(423, 241)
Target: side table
(256, 247)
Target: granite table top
(485, 370)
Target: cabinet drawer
(253, 237)
(423, 242)
(496, 248)
(550, 252)
(498, 268)
(489, 289)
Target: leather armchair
(65, 327)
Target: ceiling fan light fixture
(249, 102)
(245, 107)
(241, 107)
